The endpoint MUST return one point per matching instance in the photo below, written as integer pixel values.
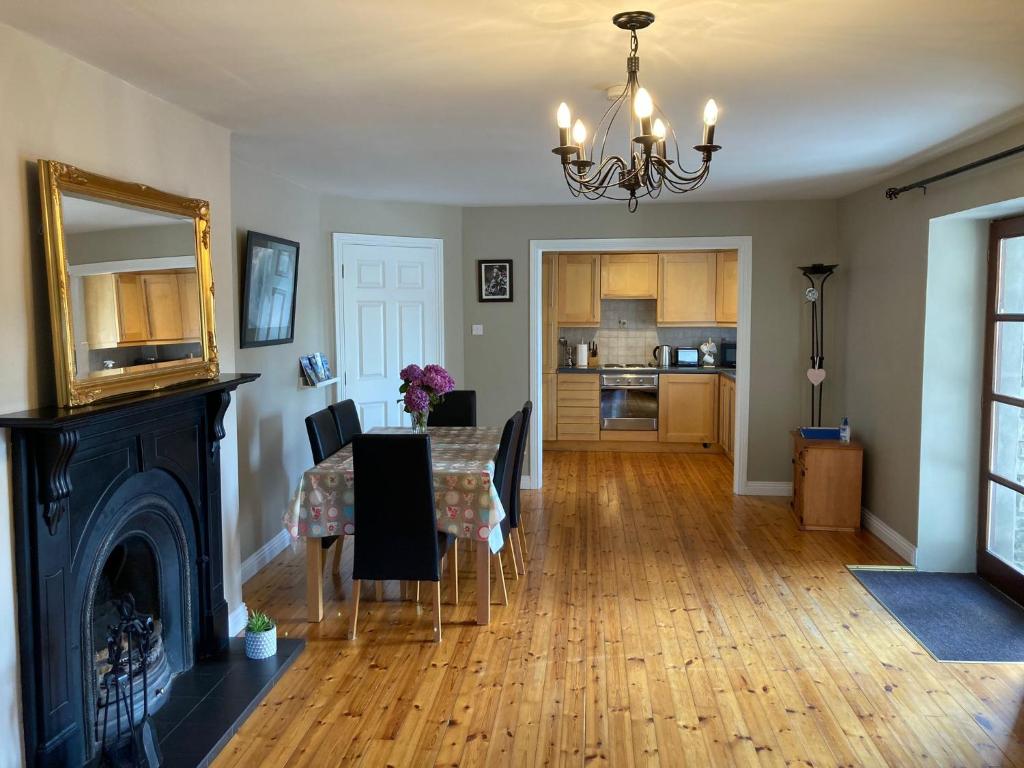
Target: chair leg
(355, 610)
(338, 546)
(437, 611)
(417, 591)
(453, 567)
(517, 550)
(511, 550)
(522, 537)
(501, 581)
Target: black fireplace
(117, 508)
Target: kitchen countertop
(730, 372)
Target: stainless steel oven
(629, 401)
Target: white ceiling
(453, 101)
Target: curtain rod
(893, 192)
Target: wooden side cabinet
(827, 484)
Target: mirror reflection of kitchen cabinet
(131, 307)
(188, 292)
(102, 329)
(163, 305)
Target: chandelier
(650, 165)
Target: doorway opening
(744, 249)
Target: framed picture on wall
(271, 273)
(494, 280)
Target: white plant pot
(261, 645)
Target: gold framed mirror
(130, 282)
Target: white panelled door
(389, 316)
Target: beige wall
(885, 246)
(274, 449)
(375, 217)
(57, 107)
(784, 234)
(131, 243)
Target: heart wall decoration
(815, 376)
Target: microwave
(727, 354)
(686, 357)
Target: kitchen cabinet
(686, 288)
(629, 276)
(99, 293)
(579, 289)
(579, 406)
(688, 408)
(727, 414)
(726, 287)
(549, 429)
(549, 312)
(827, 484)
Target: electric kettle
(663, 355)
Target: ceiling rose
(650, 165)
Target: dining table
(466, 503)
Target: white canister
(582, 353)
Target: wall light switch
(478, 330)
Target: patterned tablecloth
(466, 502)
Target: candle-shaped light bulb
(564, 118)
(710, 118)
(643, 105)
(579, 132)
(579, 136)
(563, 115)
(660, 132)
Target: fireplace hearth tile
(209, 703)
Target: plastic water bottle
(844, 430)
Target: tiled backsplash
(629, 332)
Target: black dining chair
(347, 420)
(515, 513)
(504, 472)
(394, 511)
(458, 409)
(325, 441)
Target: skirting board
(766, 488)
(237, 619)
(895, 541)
(255, 562)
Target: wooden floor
(662, 621)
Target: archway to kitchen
(743, 246)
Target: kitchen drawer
(574, 414)
(578, 431)
(578, 382)
(578, 398)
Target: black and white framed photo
(269, 290)
(494, 280)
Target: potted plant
(260, 636)
(422, 389)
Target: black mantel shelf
(52, 416)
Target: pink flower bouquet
(422, 389)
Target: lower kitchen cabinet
(579, 407)
(688, 408)
(549, 429)
(827, 484)
(727, 414)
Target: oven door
(629, 405)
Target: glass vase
(419, 421)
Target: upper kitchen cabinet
(549, 311)
(629, 276)
(727, 290)
(579, 289)
(686, 288)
